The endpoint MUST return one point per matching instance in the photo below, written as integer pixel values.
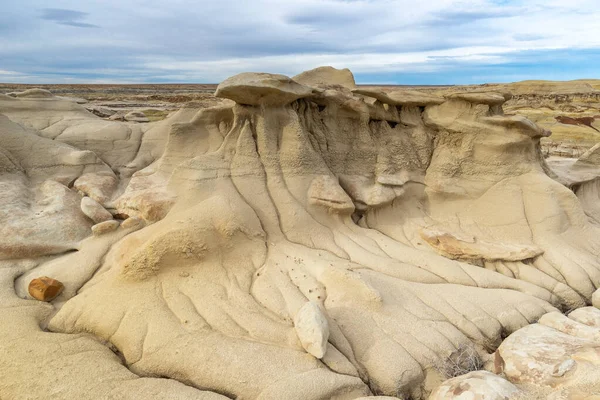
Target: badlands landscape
(300, 238)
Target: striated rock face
(328, 243)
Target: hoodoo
(303, 241)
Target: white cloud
(209, 40)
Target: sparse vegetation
(464, 360)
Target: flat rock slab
(401, 97)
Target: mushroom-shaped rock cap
(325, 77)
(489, 98)
(255, 88)
(401, 97)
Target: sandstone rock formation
(306, 242)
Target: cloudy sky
(381, 41)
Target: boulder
(327, 77)
(541, 355)
(45, 289)
(255, 89)
(596, 299)
(97, 185)
(312, 329)
(94, 210)
(480, 385)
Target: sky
(381, 41)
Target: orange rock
(45, 289)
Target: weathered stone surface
(589, 316)
(105, 227)
(136, 116)
(327, 77)
(326, 191)
(133, 222)
(401, 97)
(469, 248)
(545, 356)
(596, 299)
(45, 288)
(312, 329)
(98, 186)
(564, 324)
(489, 98)
(242, 230)
(34, 94)
(477, 385)
(102, 112)
(94, 210)
(262, 89)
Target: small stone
(45, 289)
(105, 227)
(133, 222)
(312, 329)
(94, 210)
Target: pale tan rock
(480, 385)
(132, 223)
(253, 210)
(489, 98)
(569, 326)
(596, 299)
(98, 186)
(326, 191)
(401, 97)
(327, 77)
(261, 88)
(34, 94)
(312, 329)
(94, 210)
(45, 289)
(589, 316)
(136, 116)
(470, 248)
(105, 227)
(541, 355)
